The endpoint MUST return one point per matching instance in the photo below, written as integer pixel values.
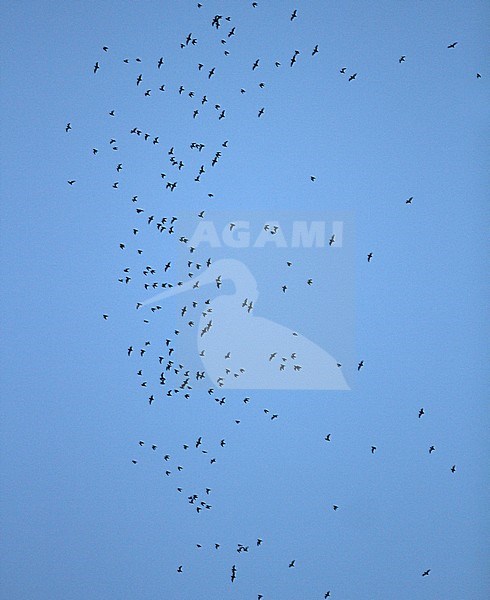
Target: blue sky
(80, 520)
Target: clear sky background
(80, 520)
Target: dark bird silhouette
(453, 45)
(353, 76)
(421, 412)
(425, 573)
(261, 112)
(431, 449)
(294, 14)
(478, 76)
(373, 449)
(105, 317)
(342, 70)
(291, 564)
(160, 62)
(453, 469)
(401, 59)
(315, 50)
(211, 73)
(179, 570)
(139, 79)
(335, 507)
(369, 257)
(68, 127)
(256, 64)
(72, 181)
(360, 365)
(409, 201)
(327, 438)
(96, 67)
